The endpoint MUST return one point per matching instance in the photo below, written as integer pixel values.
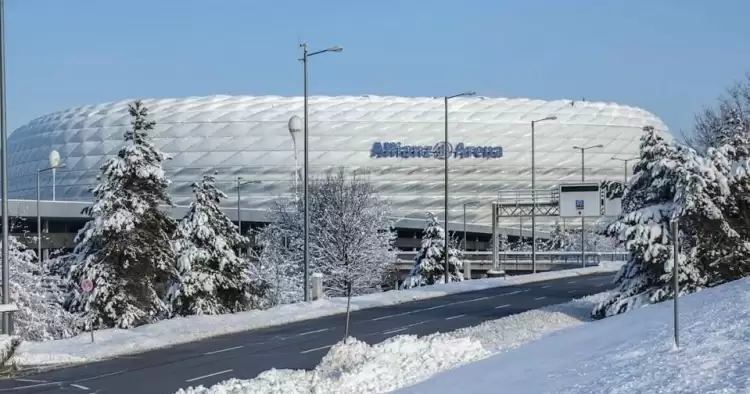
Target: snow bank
(354, 367)
(115, 342)
(628, 353)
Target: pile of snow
(629, 353)
(116, 342)
(355, 367)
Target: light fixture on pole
(306, 256)
(295, 127)
(447, 150)
(6, 317)
(625, 161)
(54, 161)
(533, 189)
(583, 150)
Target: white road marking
(223, 350)
(454, 317)
(546, 286)
(514, 292)
(540, 298)
(209, 375)
(31, 380)
(600, 285)
(594, 278)
(572, 291)
(396, 330)
(317, 348)
(312, 332)
(102, 375)
(502, 306)
(32, 386)
(435, 307)
(78, 386)
(572, 281)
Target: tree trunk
(348, 307)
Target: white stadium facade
(390, 139)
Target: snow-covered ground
(355, 367)
(115, 342)
(629, 353)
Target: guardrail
(508, 259)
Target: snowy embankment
(115, 342)
(629, 353)
(357, 368)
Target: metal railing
(521, 258)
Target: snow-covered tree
(710, 124)
(429, 264)
(503, 243)
(38, 296)
(351, 239)
(211, 278)
(560, 239)
(125, 248)
(644, 229)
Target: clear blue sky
(668, 56)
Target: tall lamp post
(446, 153)
(6, 320)
(241, 183)
(306, 258)
(295, 127)
(533, 189)
(625, 161)
(583, 150)
(54, 164)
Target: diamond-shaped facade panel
(247, 136)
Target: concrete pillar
(467, 269)
(317, 286)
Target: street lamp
(446, 152)
(295, 127)
(6, 320)
(54, 163)
(533, 190)
(626, 165)
(306, 257)
(583, 179)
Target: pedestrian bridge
(477, 264)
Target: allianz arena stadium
(391, 139)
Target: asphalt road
(298, 345)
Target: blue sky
(669, 56)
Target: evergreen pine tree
(124, 249)
(211, 278)
(644, 228)
(429, 264)
(560, 239)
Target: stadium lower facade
(395, 141)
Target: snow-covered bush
(38, 296)
(124, 249)
(351, 239)
(429, 264)
(211, 278)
